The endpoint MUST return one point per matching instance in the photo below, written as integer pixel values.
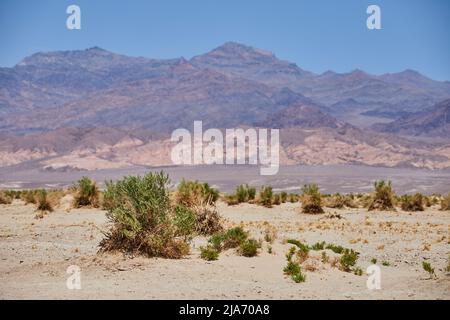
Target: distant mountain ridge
(58, 108)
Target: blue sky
(318, 35)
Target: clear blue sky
(318, 35)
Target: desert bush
(249, 248)
(339, 201)
(43, 204)
(209, 253)
(190, 193)
(184, 221)
(412, 203)
(383, 198)
(266, 196)
(293, 268)
(86, 193)
(293, 198)
(335, 248)
(244, 193)
(283, 197)
(5, 198)
(311, 199)
(143, 220)
(277, 199)
(231, 199)
(270, 234)
(207, 218)
(28, 196)
(348, 260)
(445, 202)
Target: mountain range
(88, 109)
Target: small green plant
(231, 199)
(283, 196)
(428, 268)
(384, 197)
(335, 248)
(87, 193)
(385, 263)
(318, 246)
(209, 253)
(412, 203)
(266, 196)
(358, 271)
(249, 248)
(29, 196)
(348, 259)
(311, 199)
(234, 237)
(298, 277)
(269, 249)
(374, 261)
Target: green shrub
(338, 201)
(231, 200)
(374, 261)
(385, 263)
(311, 199)
(190, 193)
(244, 193)
(266, 196)
(384, 196)
(277, 199)
(143, 220)
(283, 197)
(412, 203)
(209, 253)
(208, 220)
(87, 193)
(249, 248)
(348, 259)
(445, 202)
(42, 202)
(184, 221)
(234, 237)
(293, 268)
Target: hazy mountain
(432, 122)
(89, 109)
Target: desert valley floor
(35, 254)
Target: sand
(35, 254)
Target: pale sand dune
(34, 256)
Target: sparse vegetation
(191, 193)
(385, 263)
(445, 202)
(266, 196)
(143, 220)
(311, 199)
(383, 198)
(5, 198)
(209, 253)
(348, 260)
(42, 201)
(338, 201)
(292, 198)
(249, 248)
(428, 268)
(412, 203)
(373, 261)
(235, 237)
(86, 193)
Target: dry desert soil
(35, 255)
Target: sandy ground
(35, 254)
